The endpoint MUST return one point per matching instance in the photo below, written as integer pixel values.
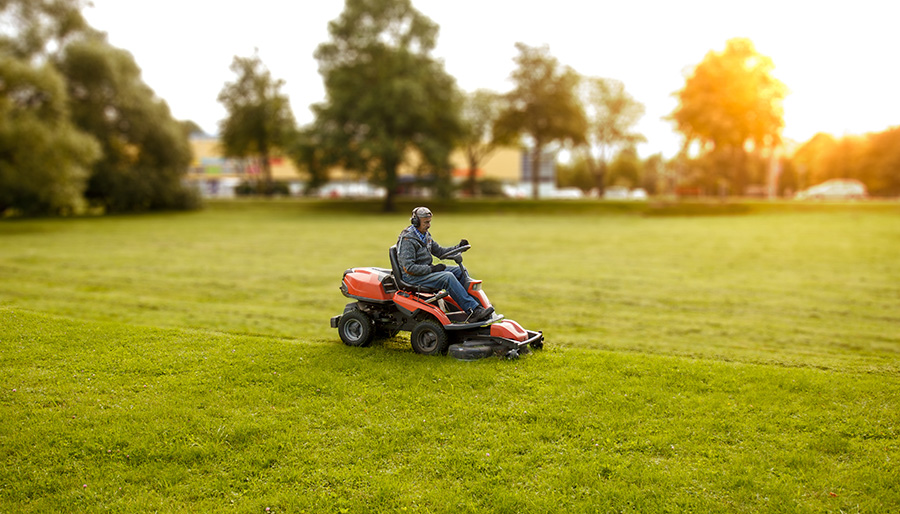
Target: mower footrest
(442, 294)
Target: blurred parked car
(567, 193)
(615, 193)
(835, 189)
(623, 193)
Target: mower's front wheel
(429, 338)
(356, 328)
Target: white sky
(839, 59)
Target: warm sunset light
(436, 256)
(835, 58)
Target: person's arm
(439, 251)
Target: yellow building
(217, 176)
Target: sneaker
(480, 314)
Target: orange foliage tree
(732, 105)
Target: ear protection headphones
(419, 212)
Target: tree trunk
(600, 176)
(536, 171)
(473, 172)
(598, 168)
(267, 175)
(390, 186)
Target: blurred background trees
(259, 120)
(80, 130)
(388, 103)
(45, 161)
(78, 126)
(543, 106)
(731, 105)
(144, 150)
(612, 114)
(480, 111)
(873, 159)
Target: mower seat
(398, 276)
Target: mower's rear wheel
(429, 338)
(356, 328)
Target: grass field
(699, 357)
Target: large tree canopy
(543, 106)
(259, 120)
(63, 90)
(388, 102)
(145, 150)
(36, 29)
(729, 101)
(44, 160)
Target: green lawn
(739, 362)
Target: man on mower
(414, 251)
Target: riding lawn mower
(384, 305)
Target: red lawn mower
(385, 305)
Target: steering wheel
(456, 252)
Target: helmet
(419, 213)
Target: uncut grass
(103, 415)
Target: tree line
(390, 104)
(80, 130)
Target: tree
(625, 169)
(480, 111)
(145, 150)
(543, 106)
(388, 102)
(883, 163)
(655, 174)
(576, 173)
(729, 101)
(259, 120)
(190, 127)
(611, 114)
(44, 159)
(103, 100)
(312, 156)
(40, 27)
(873, 159)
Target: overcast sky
(838, 58)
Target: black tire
(429, 338)
(356, 328)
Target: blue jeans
(454, 280)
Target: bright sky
(838, 58)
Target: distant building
(217, 176)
